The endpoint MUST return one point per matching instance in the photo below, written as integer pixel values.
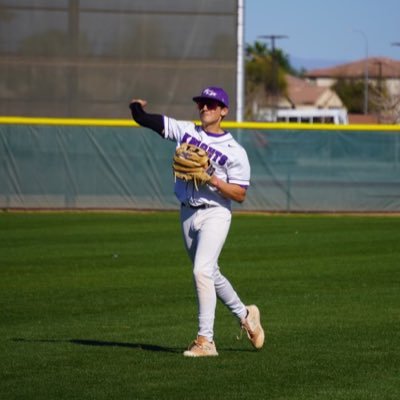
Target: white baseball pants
(204, 232)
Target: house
(375, 69)
(304, 102)
(380, 72)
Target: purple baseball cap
(213, 93)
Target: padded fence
(300, 170)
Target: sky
(324, 33)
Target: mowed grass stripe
(102, 306)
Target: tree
(265, 75)
(386, 106)
(352, 93)
(260, 67)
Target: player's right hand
(143, 103)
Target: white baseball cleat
(201, 347)
(252, 325)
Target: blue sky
(322, 33)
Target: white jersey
(227, 156)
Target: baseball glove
(191, 163)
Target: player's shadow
(148, 347)
(140, 346)
(101, 343)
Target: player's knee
(202, 276)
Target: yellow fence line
(226, 124)
(66, 121)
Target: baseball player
(205, 212)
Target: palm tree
(265, 76)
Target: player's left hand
(191, 163)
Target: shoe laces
(244, 327)
(202, 346)
(240, 336)
(195, 343)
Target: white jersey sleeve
(175, 130)
(238, 170)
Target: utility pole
(365, 71)
(380, 88)
(275, 85)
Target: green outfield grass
(101, 306)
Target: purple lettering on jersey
(195, 141)
(217, 155)
(210, 152)
(214, 154)
(204, 146)
(185, 138)
(223, 160)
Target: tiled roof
(302, 93)
(378, 67)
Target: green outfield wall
(79, 164)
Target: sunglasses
(211, 104)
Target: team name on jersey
(214, 154)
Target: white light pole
(240, 63)
(365, 71)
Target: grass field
(101, 306)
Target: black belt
(200, 207)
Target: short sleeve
(174, 130)
(239, 171)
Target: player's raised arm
(152, 121)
